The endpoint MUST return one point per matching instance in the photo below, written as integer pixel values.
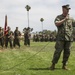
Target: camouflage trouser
(16, 41)
(27, 41)
(1, 42)
(62, 45)
(6, 42)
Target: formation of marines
(13, 38)
(44, 38)
(10, 37)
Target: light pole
(42, 23)
(28, 8)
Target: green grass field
(32, 61)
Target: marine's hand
(67, 17)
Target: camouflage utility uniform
(64, 39)
(16, 38)
(1, 38)
(27, 38)
(8, 38)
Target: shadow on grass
(43, 69)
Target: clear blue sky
(47, 9)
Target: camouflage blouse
(65, 29)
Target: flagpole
(5, 26)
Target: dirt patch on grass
(0, 50)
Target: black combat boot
(52, 66)
(65, 67)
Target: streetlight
(28, 8)
(42, 23)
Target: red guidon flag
(5, 27)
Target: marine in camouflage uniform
(8, 38)
(27, 37)
(1, 37)
(46, 38)
(64, 37)
(34, 38)
(17, 34)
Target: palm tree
(28, 8)
(42, 23)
